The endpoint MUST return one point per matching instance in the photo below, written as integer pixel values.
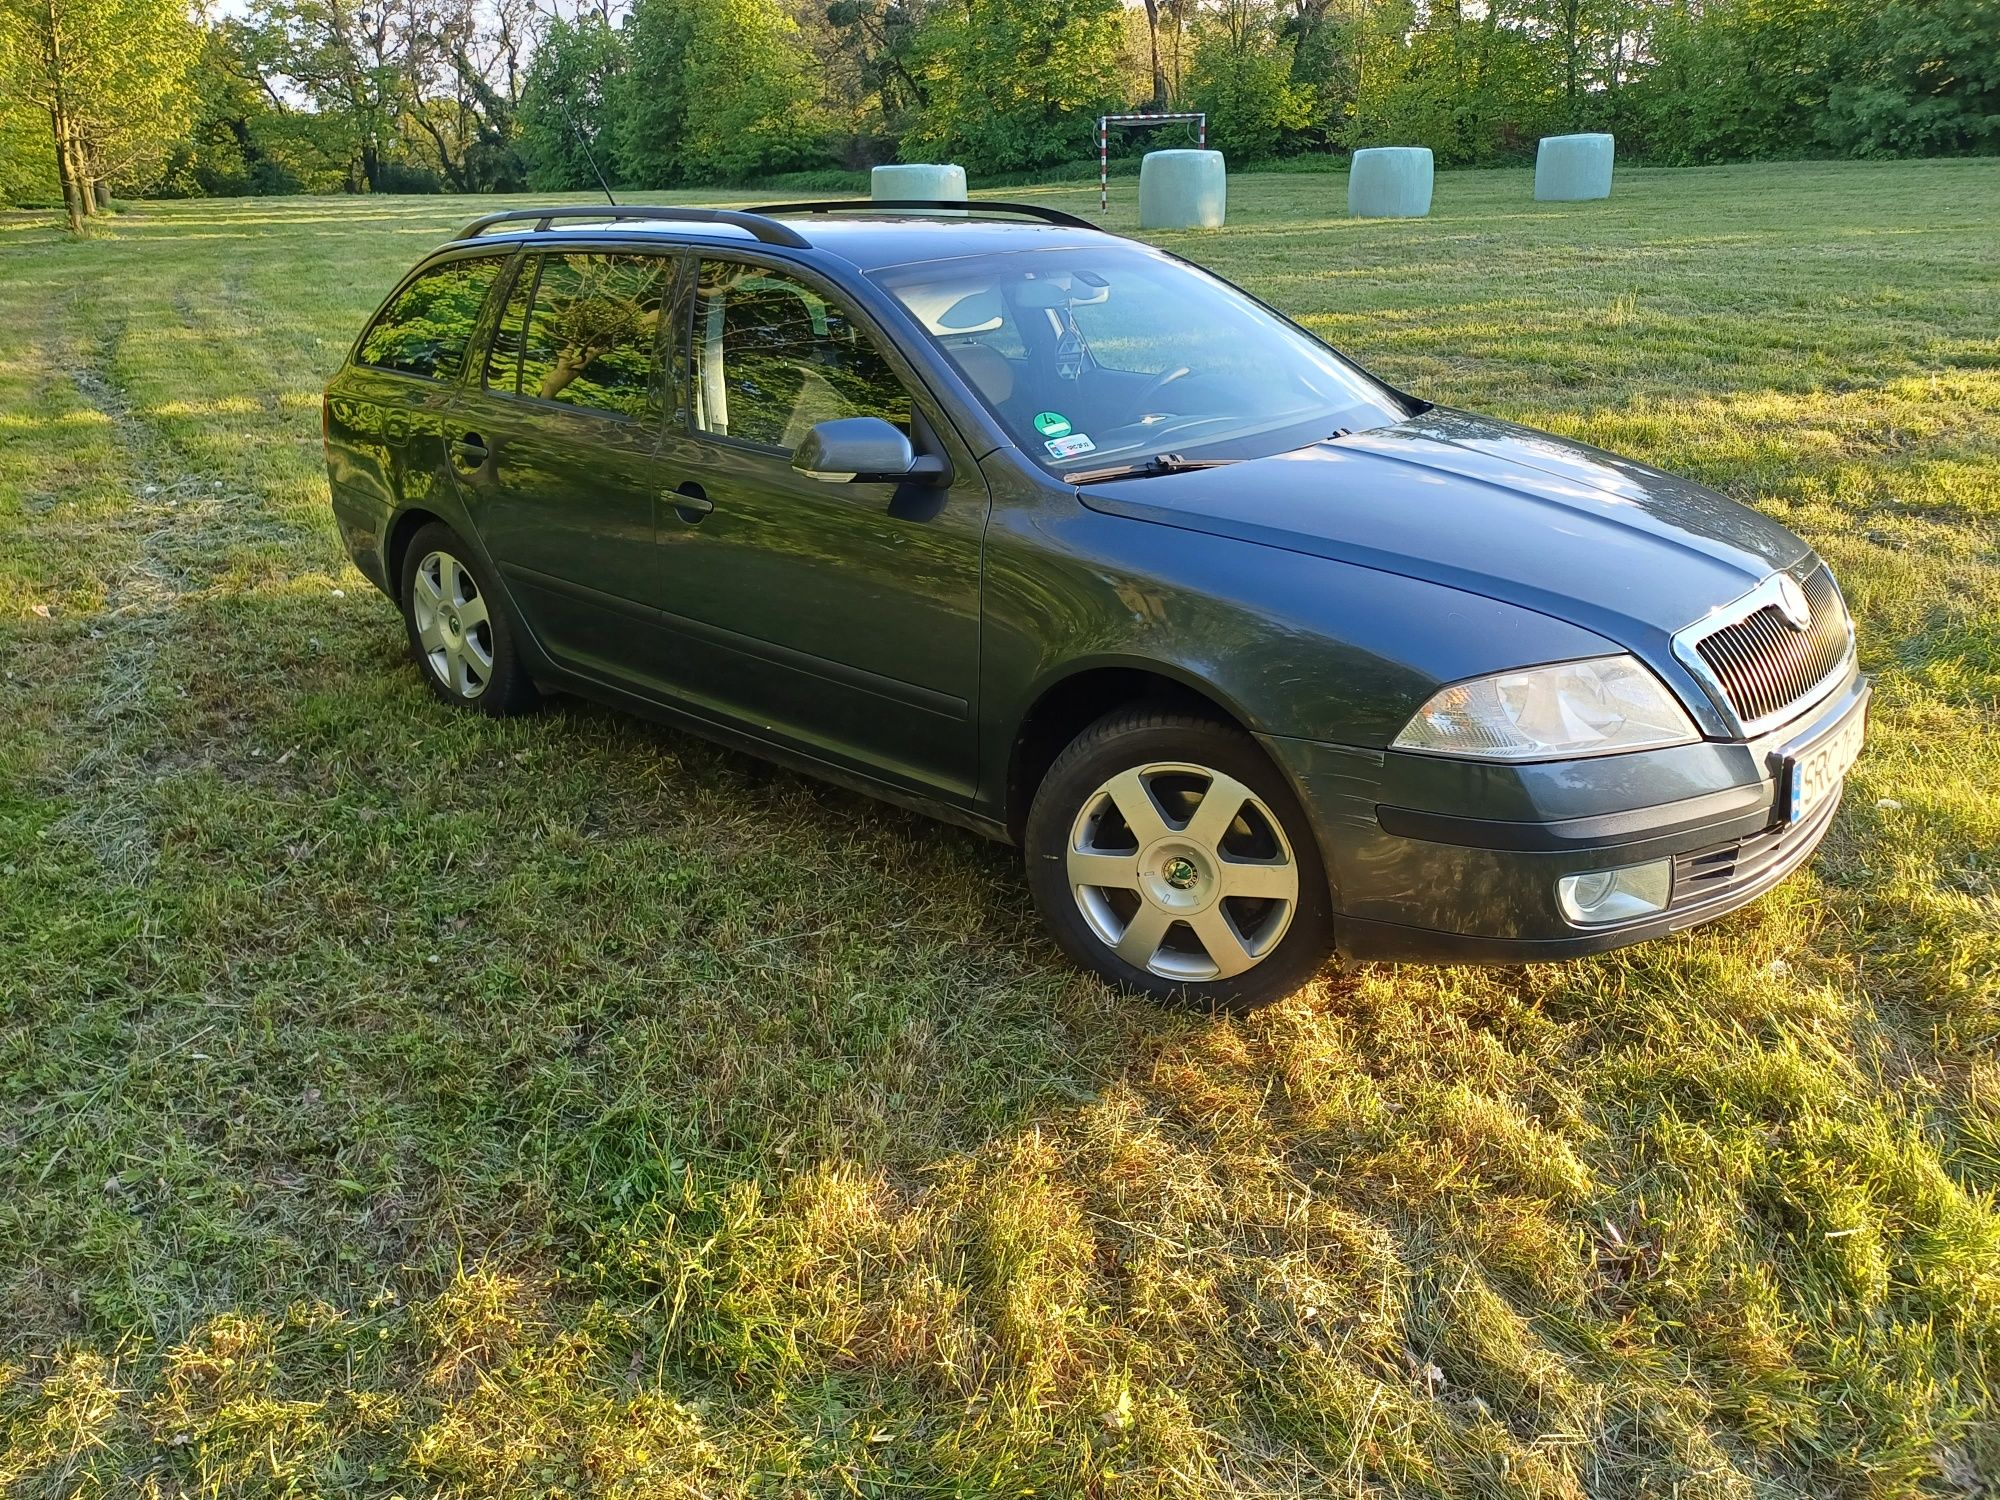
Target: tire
(1136, 887)
(460, 636)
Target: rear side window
(429, 326)
(584, 329)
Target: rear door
(388, 410)
(556, 451)
(842, 618)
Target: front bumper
(1440, 861)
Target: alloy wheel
(453, 626)
(1182, 871)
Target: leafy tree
(423, 89)
(461, 87)
(1403, 92)
(1743, 79)
(406, 95)
(1325, 50)
(1473, 84)
(875, 41)
(1922, 77)
(755, 110)
(564, 103)
(1157, 68)
(1242, 79)
(222, 154)
(27, 165)
(348, 61)
(648, 100)
(1016, 84)
(110, 77)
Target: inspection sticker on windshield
(1069, 447)
(1051, 424)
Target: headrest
(988, 369)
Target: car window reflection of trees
(783, 374)
(427, 329)
(592, 336)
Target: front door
(556, 450)
(840, 618)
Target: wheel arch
(396, 541)
(1064, 707)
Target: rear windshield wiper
(1159, 463)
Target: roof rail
(893, 205)
(764, 229)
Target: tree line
(142, 97)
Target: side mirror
(864, 448)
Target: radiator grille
(1765, 666)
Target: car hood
(1503, 511)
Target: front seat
(990, 371)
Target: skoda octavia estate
(1054, 534)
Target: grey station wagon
(1054, 534)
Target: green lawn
(395, 1103)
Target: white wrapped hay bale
(1571, 168)
(1390, 182)
(1182, 190)
(930, 181)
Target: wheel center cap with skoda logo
(1180, 873)
(1052, 424)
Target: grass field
(394, 1103)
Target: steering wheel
(1153, 388)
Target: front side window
(429, 326)
(584, 329)
(1092, 356)
(772, 357)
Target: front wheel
(1168, 855)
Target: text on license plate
(1816, 773)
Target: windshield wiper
(1159, 463)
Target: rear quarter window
(428, 328)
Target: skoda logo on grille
(1792, 602)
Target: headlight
(1592, 707)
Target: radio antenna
(582, 140)
(596, 171)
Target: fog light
(1599, 896)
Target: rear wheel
(459, 634)
(1167, 854)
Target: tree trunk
(72, 197)
(69, 155)
(100, 193)
(59, 127)
(1153, 36)
(79, 173)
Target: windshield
(1098, 356)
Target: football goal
(1130, 122)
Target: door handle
(470, 451)
(690, 502)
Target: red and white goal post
(1104, 124)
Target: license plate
(1815, 773)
